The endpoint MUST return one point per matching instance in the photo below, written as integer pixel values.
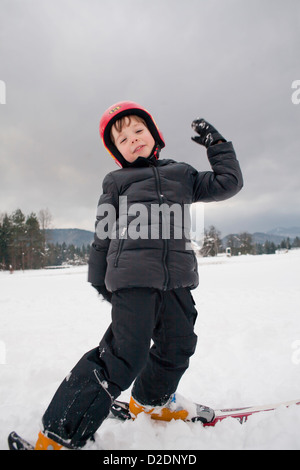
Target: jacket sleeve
(105, 219)
(224, 181)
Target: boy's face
(134, 140)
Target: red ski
(121, 411)
(242, 414)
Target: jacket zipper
(120, 247)
(165, 241)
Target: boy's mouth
(138, 148)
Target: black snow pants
(149, 341)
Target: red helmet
(117, 111)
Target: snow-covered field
(248, 353)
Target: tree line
(24, 243)
(241, 244)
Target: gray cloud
(65, 61)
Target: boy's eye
(122, 140)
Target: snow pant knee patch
(80, 405)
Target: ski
(243, 413)
(120, 410)
(15, 442)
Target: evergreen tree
(269, 247)
(296, 243)
(258, 249)
(285, 244)
(17, 247)
(246, 245)
(233, 242)
(34, 243)
(5, 242)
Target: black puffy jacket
(148, 246)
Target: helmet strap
(156, 151)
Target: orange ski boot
(177, 407)
(162, 413)
(45, 443)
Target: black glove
(208, 135)
(104, 292)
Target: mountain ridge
(69, 236)
(79, 237)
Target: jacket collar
(142, 162)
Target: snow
(248, 353)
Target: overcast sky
(232, 62)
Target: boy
(146, 274)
